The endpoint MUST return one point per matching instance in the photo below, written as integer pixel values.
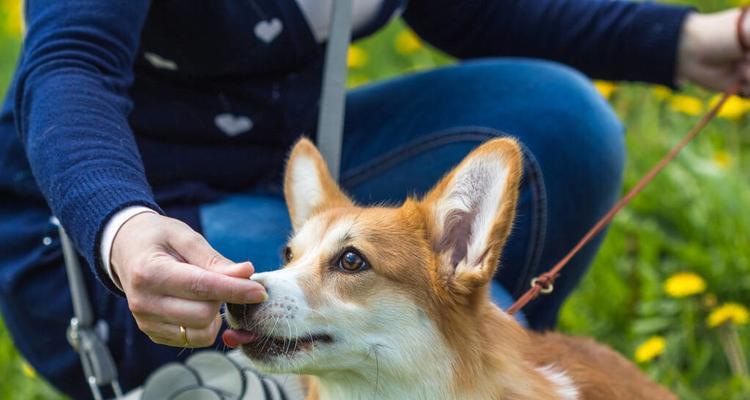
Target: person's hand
(172, 277)
(709, 52)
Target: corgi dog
(393, 302)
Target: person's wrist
(688, 47)
(111, 228)
(119, 252)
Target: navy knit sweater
(125, 102)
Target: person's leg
(402, 135)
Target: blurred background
(671, 285)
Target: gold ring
(183, 336)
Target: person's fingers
(170, 335)
(193, 247)
(744, 71)
(173, 310)
(187, 281)
(716, 78)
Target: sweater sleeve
(606, 39)
(71, 109)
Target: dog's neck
(486, 361)
(493, 355)
(414, 370)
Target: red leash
(544, 283)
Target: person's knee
(581, 126)
(516, 91)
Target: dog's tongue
(235, 338)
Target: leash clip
(73, 334)
(545, 288)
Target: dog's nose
(243, 312)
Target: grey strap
(98, 365)
(333, 97)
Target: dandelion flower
(661, 92)
(356, 57)
(28, 370)
(14, 24)
(734, 109)
(723, 159)
(686, 104)
(653, 347)
(683, 284)
(728, 312)
(605, 88)
(408, 43)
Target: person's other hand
(172, 277)
(709, 52)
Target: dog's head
(380, 286)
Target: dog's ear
(308, 185)
(471, 211)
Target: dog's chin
(282, 354)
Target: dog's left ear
(471, 212)
(308, 185)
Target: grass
(694, 218)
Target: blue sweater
(131, 102)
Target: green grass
(694, 218)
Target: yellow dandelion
(653, 347)
(686, 104)
(661, 92)
(683, 284)
(728, 312)
(14, 24)
(356, 57)
(723, 159)
(734, 109)
(408, 43)
(28, 370)
(605, 88)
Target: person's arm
(606, 39)
(71, 109)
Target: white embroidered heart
(267, 31)
(159, 62)
(232, 124)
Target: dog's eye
(288, 255)
(351, 261)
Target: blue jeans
(401, 136)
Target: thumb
(195, 250)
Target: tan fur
(599, 371)
(494, 357)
